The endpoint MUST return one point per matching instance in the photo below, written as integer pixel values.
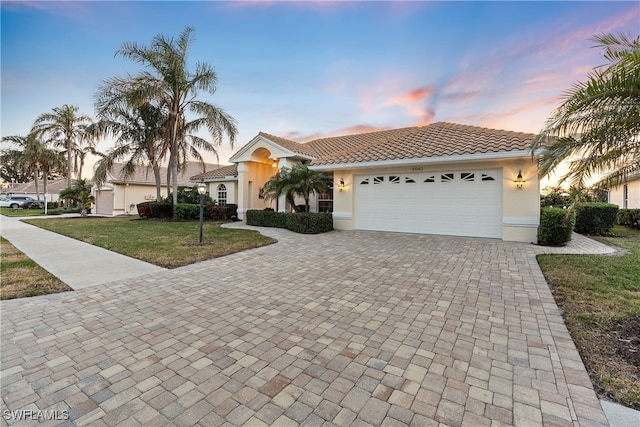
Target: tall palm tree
(64, 126)
(167, 81)
(597, 127)
(139, 135)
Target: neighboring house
(627, 195)
(54, 187)
(443, 178)
(118, 196)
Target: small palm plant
(79, 193)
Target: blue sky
(310, 69)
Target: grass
(21, 212)
(21, 277)
(600, 299)
(165, 243)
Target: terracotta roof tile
(290, 145)
(223, 172)
(438, 139)
(144, 174)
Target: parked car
(23, 202)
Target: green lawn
(600, 299)
(21, 277)
(165, 243)
(21, 212)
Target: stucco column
(243, 191)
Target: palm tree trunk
(156, 174)
(68, 144)
(45, 177)
(169, 169)
(35, 176)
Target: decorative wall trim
(520, 221)
(342, 215)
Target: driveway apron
(343, 328)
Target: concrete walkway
(78, 264)
(344, 328)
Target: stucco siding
(616, 195)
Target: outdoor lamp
(274, 165)
(341, 184)
(519, 180)
(202, 189)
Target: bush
(190, 195)
(186, 211)
(155, 210)
(629, 218)
(309, 223)
(556, 226)
(306, 223)
(52, 205)
(595, 218)
(225, 212)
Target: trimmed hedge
(305, 223)
(595, 218)
(225, 212)
(556, 226)
(629, 217)
(155, 210)
(186, 211)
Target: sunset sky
(303, 70)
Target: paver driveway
(345, 328)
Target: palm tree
(80, 193)
(299, 180)
(65, 127)
(139, 134)
(34, 157)
(597, 127)
(168, 82)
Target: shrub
(310, 223)
(52, 205)
(306, 223)
(186, 211)
(595, 218)
(190, 195)
(629, 218)
(225, 212)
(556, 226)
(155, 210)
(266, 218)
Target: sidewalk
(78, 264)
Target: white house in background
(443, 178)
(627, 195)
(118, 196)
(54, 187)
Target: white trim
(216, 179)
(454, 158)
(259, 138)
(342, 215)
(520, 221)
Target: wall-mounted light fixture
(519, 181)
(341, 185)
(274, 164)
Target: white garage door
(104, 202)
(460, 203)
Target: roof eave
(453, 158)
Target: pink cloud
(348, 130)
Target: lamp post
(202, 188)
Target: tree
(80, 193)
(596, 129)
(139, 135)
(167, 82)
(299, 180)
(34, 157)
(65, 127)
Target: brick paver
(344, 328)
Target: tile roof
(53, 187)
(223, 172)
(290, 145)
(144, 174)
(437, 139)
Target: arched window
(222, 195)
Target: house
(54, 187)
(627, 195)
(118, 196)
(444, 178)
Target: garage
(455, 203)
(104, 202)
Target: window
(394, 179)
(222, 195)
(625, 196)
(408, 180)
(486, 177)
(325, 198)
(432, 178)
(446, 177)
(378, 179)
(365, 181)
(467, 176)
